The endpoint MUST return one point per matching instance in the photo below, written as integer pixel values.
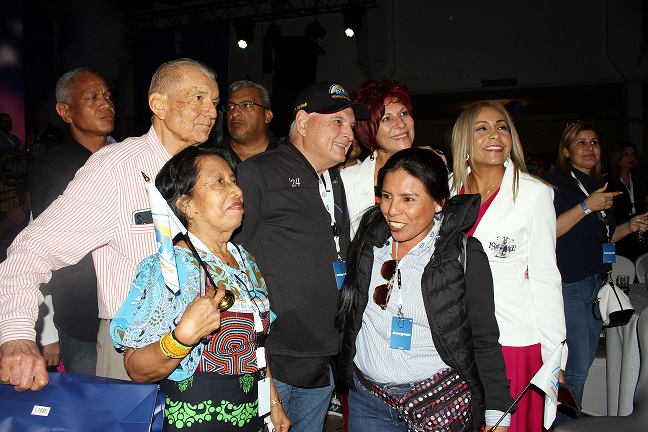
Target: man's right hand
(22, 366)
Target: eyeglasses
(245, 105)
(383, 292)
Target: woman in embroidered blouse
(414, 243)
(207, 361)
(517, 228)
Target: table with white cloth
(622, 354)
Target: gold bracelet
(172, 348)
(275, 401)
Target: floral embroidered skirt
(212, 402)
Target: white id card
(269, 427)
(264, 396)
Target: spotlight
(244, 33)
(274, 31)
(315, 30)
(352, 21)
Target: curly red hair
(376, 94)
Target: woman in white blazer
(517, 228)
(389, 129)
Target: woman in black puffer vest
(441, 281)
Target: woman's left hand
(279, 418)
(639, 223)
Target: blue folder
(78, 402)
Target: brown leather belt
(363, 380)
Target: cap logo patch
(337, 91)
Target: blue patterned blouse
(152, 310)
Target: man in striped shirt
(103, 211)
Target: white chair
(641, 265)
(623, 266)
(638, 420)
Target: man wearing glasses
(248, 116)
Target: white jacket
(517, 236)
(359, 189)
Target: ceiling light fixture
(244, 33)
(352, 21)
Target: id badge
(340, 270)
(264, 396)
(609, 253)
(401, 333)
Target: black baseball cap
(327, 98)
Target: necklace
(226, 259)
(491, 189)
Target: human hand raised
(601, 200)
(22, 365)
(202, 317)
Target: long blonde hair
(463, 138)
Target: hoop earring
(508, 161)
(467, 157)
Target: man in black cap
(297, 227)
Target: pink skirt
(521, 364)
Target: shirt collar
(428, 242)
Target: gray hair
(293, 128)
(65, 84)
(243, 84)
(168, 75)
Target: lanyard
(329, 203)
(397, 275)
(432, 237)
(601, 214)
(630, 188)
(258, 324)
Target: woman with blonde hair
(516, 225)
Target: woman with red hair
(389, 129)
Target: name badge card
(401, 333)
(609, 253)
(340, 269)
(264, 396)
